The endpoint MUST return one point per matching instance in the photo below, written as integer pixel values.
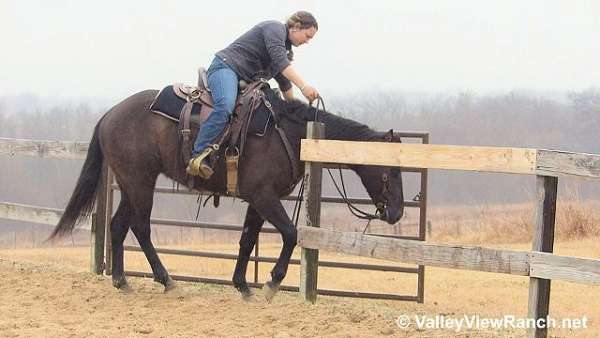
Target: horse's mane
(336, 127)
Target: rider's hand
(310, 93)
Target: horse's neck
(336, 128)
(343, 129)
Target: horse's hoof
(170, 285)
(122, 285)
(125, 288)
(249, 297)
(270, 289)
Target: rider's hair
(304, 18)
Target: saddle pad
(169, 105)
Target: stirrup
(197, 167)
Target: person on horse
(264, 51)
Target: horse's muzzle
(391, 217)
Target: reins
(342, 192)
(353, 209)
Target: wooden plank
(410, 251)
(309, 258)
(488, 159)
(44, 149)
(423, 222)
(109, 213)
(33, 214)
(543, 240)
(93, 240)
(571, 269)
(100, 223)
(555, 162)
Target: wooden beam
(100, 221)
(556, 162)
(30, 213)
(534, 264)
(489, 159)
(571, 269)
(434, 156)
(309, 258)
(410, 251)
(44, 149)
(543, 240)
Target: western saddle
(249, 98)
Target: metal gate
(105, 208)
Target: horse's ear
(389, 136)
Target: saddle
(190, 106)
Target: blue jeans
(223, 84)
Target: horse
(138, 145)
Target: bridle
(381, 206)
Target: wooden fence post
(543, 241)
(99, 221)
(109, 212)
(309, 260)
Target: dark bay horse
(139, 145)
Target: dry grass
(497, 224)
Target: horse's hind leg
(270, 208)
(252, 225)
(141, 200)
(118, 230)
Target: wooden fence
(540, 265)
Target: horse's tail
(81, 204)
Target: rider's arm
(285, 86)
(291, 74)
(307, 90)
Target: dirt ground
(49, 292)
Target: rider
(266, 49)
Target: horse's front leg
(252, 225)
(270, 208)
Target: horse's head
(384, 186)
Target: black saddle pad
(169, 105)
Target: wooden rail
(33, 214)
(434, 156)
(44, 149)
(523, 263)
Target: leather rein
(284, 139)
(385, 179)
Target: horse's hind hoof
(270, 290)
(170, 285)
(126, 289)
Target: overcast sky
(113, 48)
